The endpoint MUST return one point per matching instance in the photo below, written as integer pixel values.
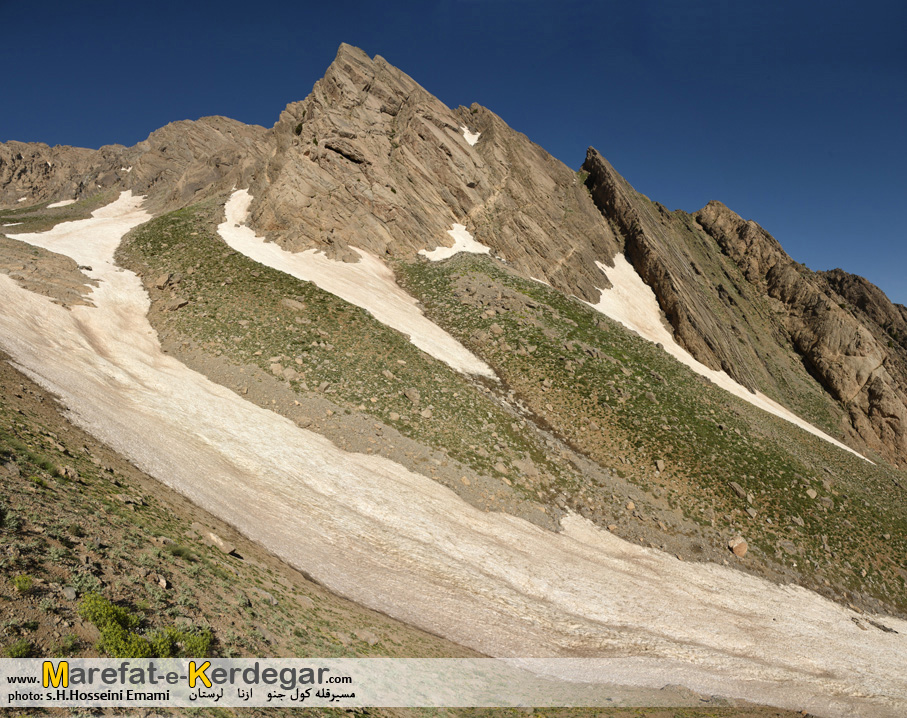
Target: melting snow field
(62, 203)
(633, 303)
(403, 544)
(463, 242)
(470, 137)
(368, 284)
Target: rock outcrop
(842, 352)
(738, 302)
(371, 159)
(181, 163)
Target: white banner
(337, 682)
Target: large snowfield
(401, 543)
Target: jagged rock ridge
(371, 159)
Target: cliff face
(738, 302)
(371, 159)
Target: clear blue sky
(791, 113)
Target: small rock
(162, 281)
(738, 545)
(811, 493)
(277, 369)
(163, 582)
(393, 416)
(797, 520)
(413, 395)
(631, 506)
(788, 546)
(69, 593)
(500, 468)
(751, 511)
(388, 374)
(366, 636)
(426, 413)
(659, 465)
(496, 329)
(266, 596)
(738, 489)
(177, 303)
(292, 304)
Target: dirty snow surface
(401, 543)
(62, 203)
(470, 137)
(463, 242)
(368, 284)
(632, 302)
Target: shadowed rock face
(843, 352)
(738, 302)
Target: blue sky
(791, 113)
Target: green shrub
(119, 639)
(23, 583)
(20, 649)
(298, 129)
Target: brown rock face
(181, 163)
(370, 159)
(842, 352)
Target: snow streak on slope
(463, 242)
(632, 302)
(470, 137)
(403, 544)
(368, 284)
(62, 203)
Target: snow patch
(470, 137)
(127, 170)
(403, 544)
(21, 199)
(62, 203)
(14, 224)
(463, 242)
(633, 303)
(368, 284)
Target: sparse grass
(619, 398)
(336, 349)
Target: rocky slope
(183, 162)
(738, 302)
(372, 160)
